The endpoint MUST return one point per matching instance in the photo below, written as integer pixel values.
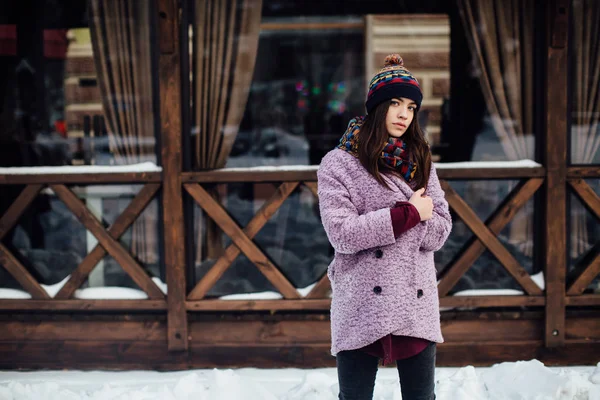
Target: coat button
(377, 290)
(378, 253)
(419, 293)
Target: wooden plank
(489, 239)
(276, 332)
(587, 195)
(20, 273)
(491, 301)
(246, 245)
(169, 70)
(313, 187)
(248, 175)
(114, 248)
(321, 289)
(583, 300)
(500, 218)
(268, 209)
(592, 171)
(282, 174)
(487, 354)
(17, 208)
(98, 330)
(583, 329)
(82, 305)
(555, 160)
(477, 330)
(257, 305)
(127, 355)
(82, 178)
(116, 230)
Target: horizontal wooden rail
(309, 173)
(492, 301)
(592, 171)
(83, 305)
(113, 177)
(324, 304)
(583, 300)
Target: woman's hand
(423, 204)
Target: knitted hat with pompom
(393, 81)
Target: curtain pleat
(226, 42)
(585, 115)
(120, 33)
(500, 34)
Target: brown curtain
(120, 34)
(585, 117)
(501, 36)
(225, 46)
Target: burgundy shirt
(391, 348)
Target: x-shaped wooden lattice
(243, 241)
(486, 237)
(592, 201)
(107, 239)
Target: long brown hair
(373, 136)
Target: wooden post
(556, 169)
(170, 119)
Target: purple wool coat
(380, 284)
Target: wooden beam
(169, 70)
(592, 171)
(80, 178)
(283, 174)
(268, 209)
(585, 300)
(587, 195)
(248, 175)
(20, 273)
(500, 218)
(489, 239)
(114, 248)
(97, 329)
(82, 305)
(116, 230)
(257, 305)
(491, 301)
(555, 160)
(215, 211)
(17, 208)
(490, 173)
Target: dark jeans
(357, 371)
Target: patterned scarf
(393, 154)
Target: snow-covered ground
(507, 381)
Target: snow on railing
(81, 169)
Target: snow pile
(81, 169)
(525, 380)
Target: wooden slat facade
(559, 325)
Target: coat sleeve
(437, 229)
(349, 232)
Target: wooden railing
(531, 180)
(107, 240)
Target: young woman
(385, 214)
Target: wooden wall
(558, 326)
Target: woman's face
(399, 116)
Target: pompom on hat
(393, 81)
